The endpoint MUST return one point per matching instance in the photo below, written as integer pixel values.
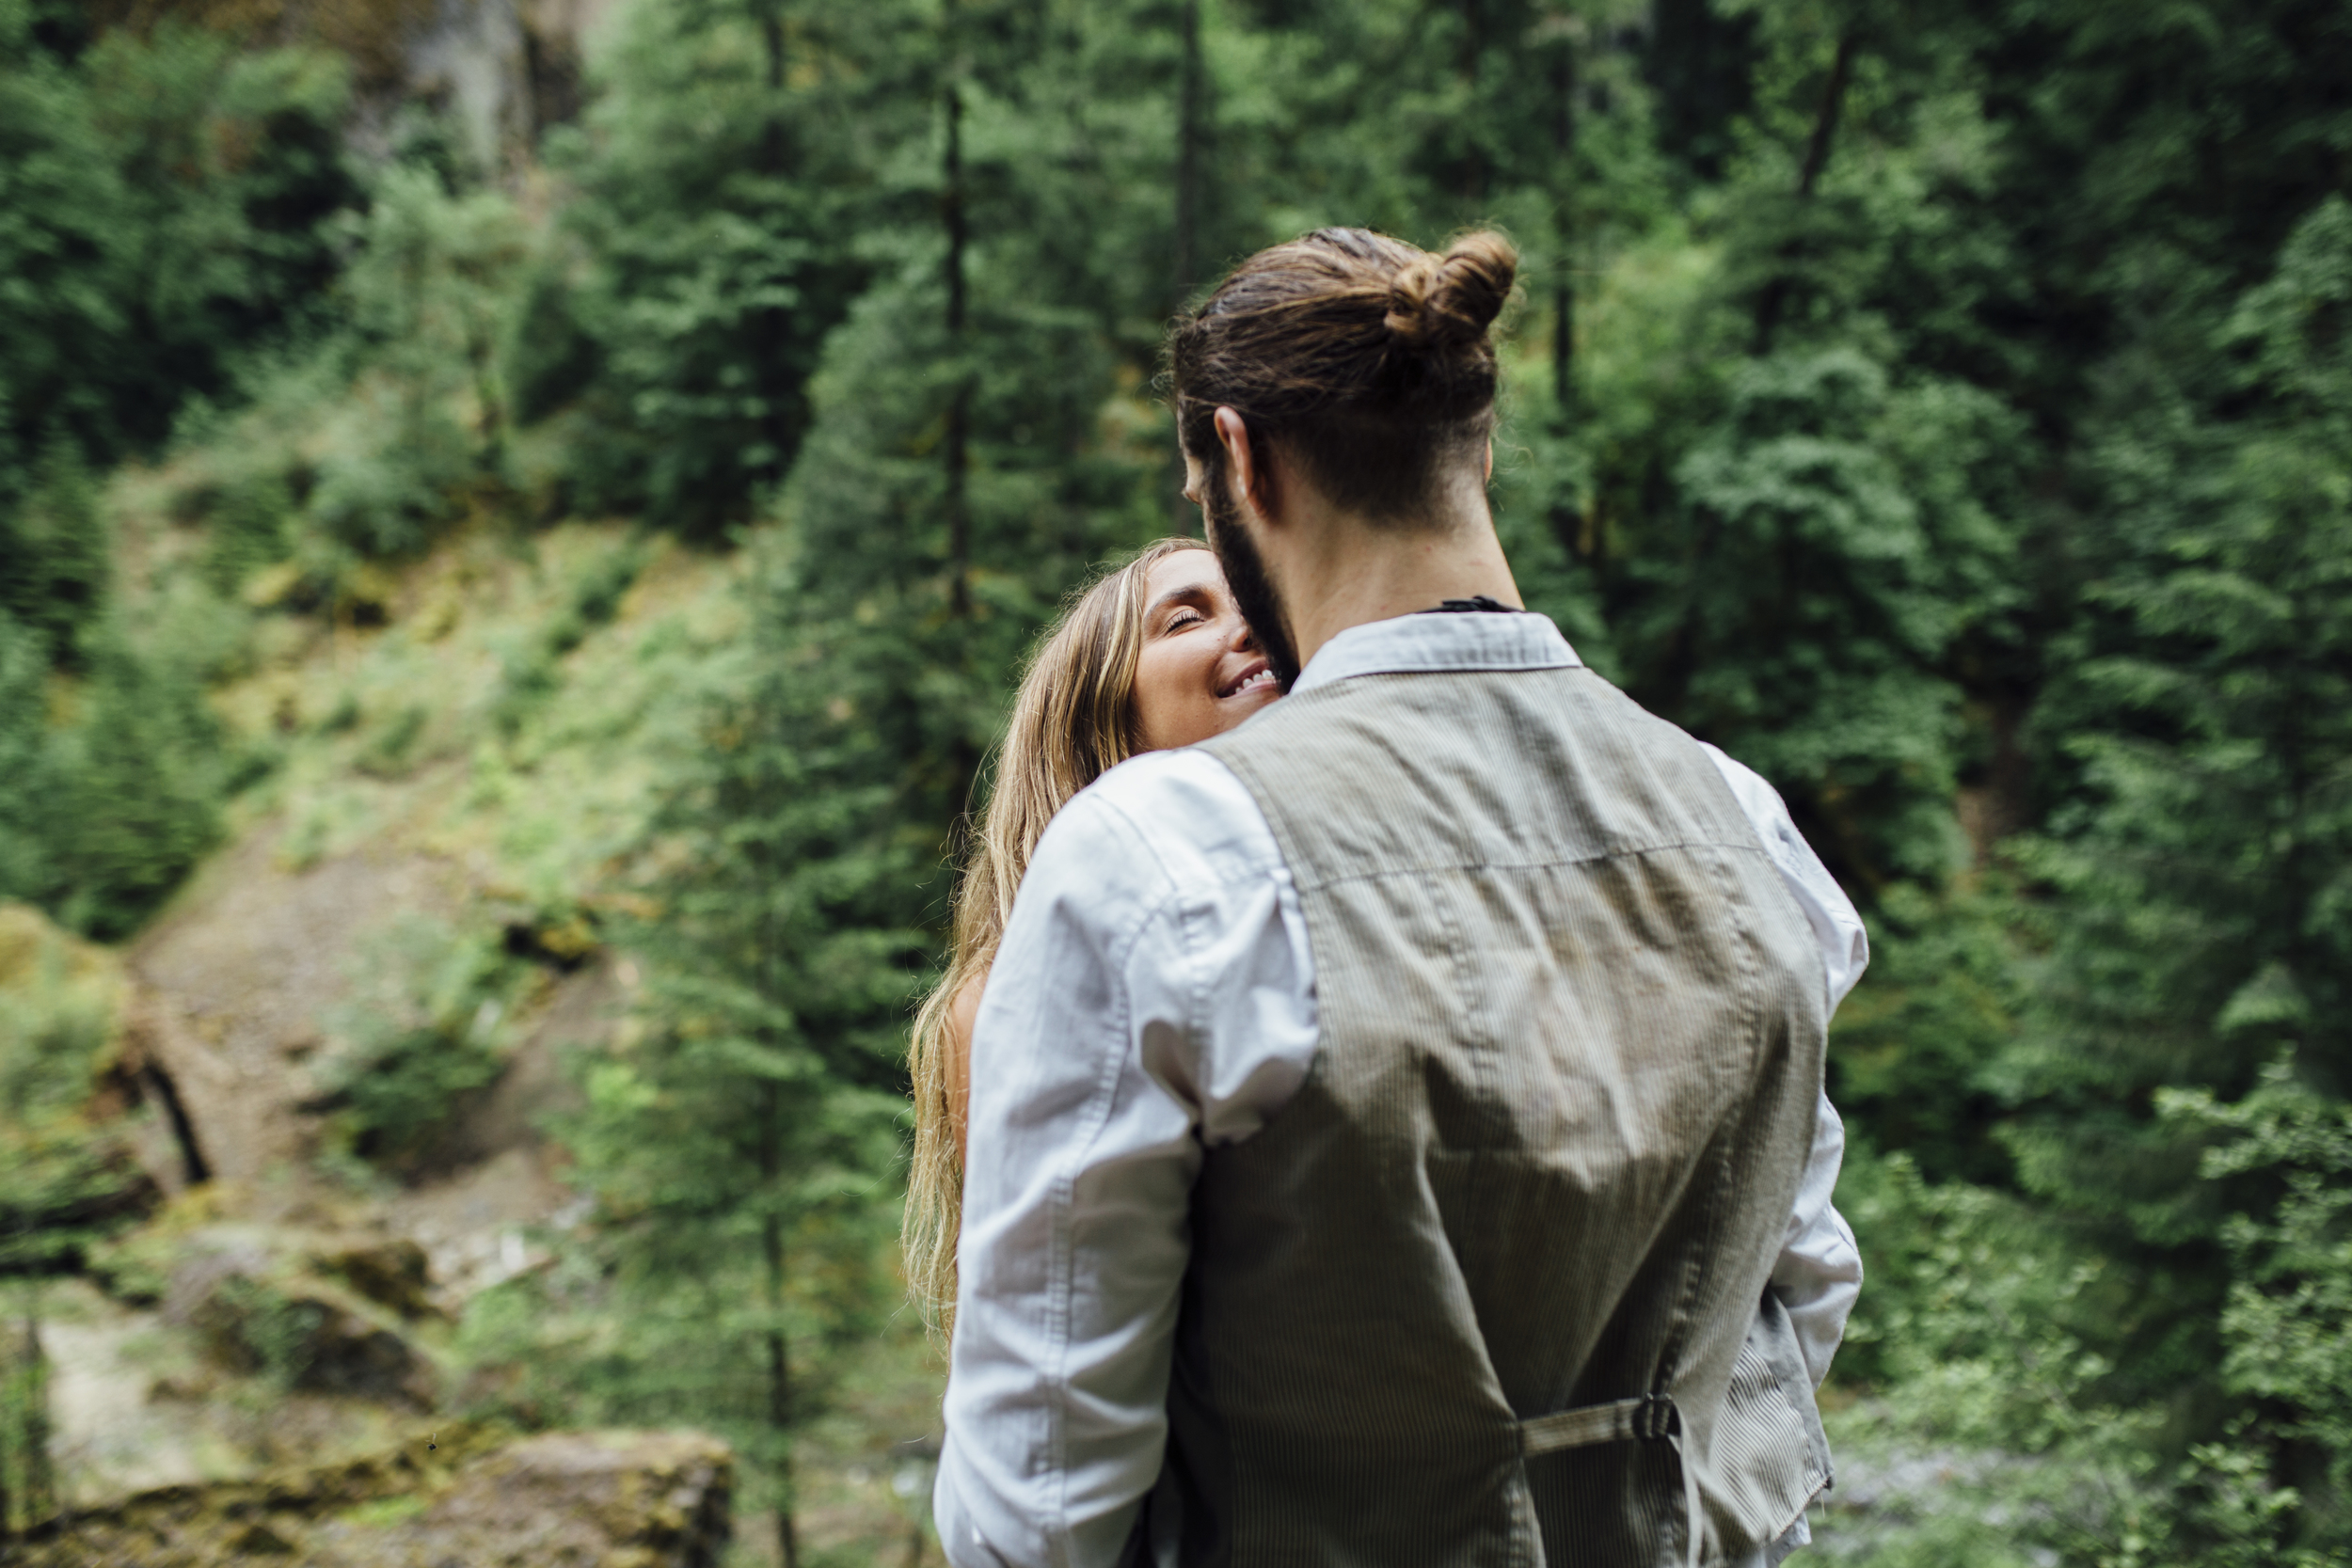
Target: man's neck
(1349, 574)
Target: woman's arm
(955, 1040)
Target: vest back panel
(1572, 1033)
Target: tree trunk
(956, 448)
(7, 1443)
(773, 325)
(779, 1354)
(1474, 171)
(37, 1495)
(1564, 284)
(1774, 298)
(1185, 242)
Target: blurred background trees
(1944, 408)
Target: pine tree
(141, 771)
(710, 243)
(740, 1147)
(2203, 859)
(165, 211)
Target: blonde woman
(1154, 655)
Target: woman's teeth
(1264, 677)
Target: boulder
(619, 1500)
(266, 1302)
(611, 1499)
(389, 1271)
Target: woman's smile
(1258, 674)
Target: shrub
(417, 1035)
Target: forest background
(1946, 407)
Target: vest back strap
(1644, 1416)
(1619, 1420)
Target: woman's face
(1201, 671)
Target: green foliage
(1983, 1320)
(532, 673)
(161, 202)
(165, 206)
(737, 1148)
(250, 529)
(27, 800)
(704, 254)
(2200, 854)
(53, 556)
(265, 1331)
(427, 293)
(63, 1180)
(1910, 1051)
(418, 1033)
(139, 773)
(2287, 1325)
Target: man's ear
(1249, 466)
(1490, 460)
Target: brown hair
(1365, 358)
(1072, 721)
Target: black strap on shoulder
(1478, 604)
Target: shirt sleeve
(1845, 946)
(1818, 1275)
(1152, 997)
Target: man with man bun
(1397, 1133)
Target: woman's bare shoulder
(963, 1008)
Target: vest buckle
(1655, 1416)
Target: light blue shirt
(1154, 995)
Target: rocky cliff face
(619, 1500)
(503, 71)
(261, 1310)
(253, 1293)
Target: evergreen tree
(707, 247)
(163, 207)
(427, 295)
(982, 436)
(138, 775)
(738, 1147)
(53, 556)
(2203, 864)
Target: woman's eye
(1184, 618)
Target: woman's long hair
(1072, 721)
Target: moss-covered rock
(315, 1314)
(470, 1495)
(390, 1270)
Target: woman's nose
(1244, 636)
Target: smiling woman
(1200, 671)
(1154, 655)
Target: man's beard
(1253, 591)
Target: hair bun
(1436, 302)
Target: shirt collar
(1428, 643)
